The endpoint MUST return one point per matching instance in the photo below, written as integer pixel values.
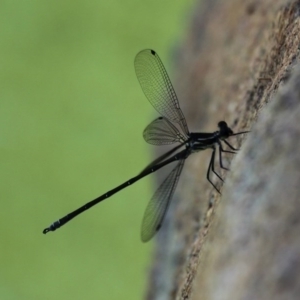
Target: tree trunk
(240, 63)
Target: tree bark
(239, 63)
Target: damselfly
(171, 127)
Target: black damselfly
(169, 128)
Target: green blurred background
(71, 120)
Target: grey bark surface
(239, 63)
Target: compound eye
(222, 124)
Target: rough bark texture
(240, 63)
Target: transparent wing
(162, 132)
(161, 158)
(158, 88)
(158, 205)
